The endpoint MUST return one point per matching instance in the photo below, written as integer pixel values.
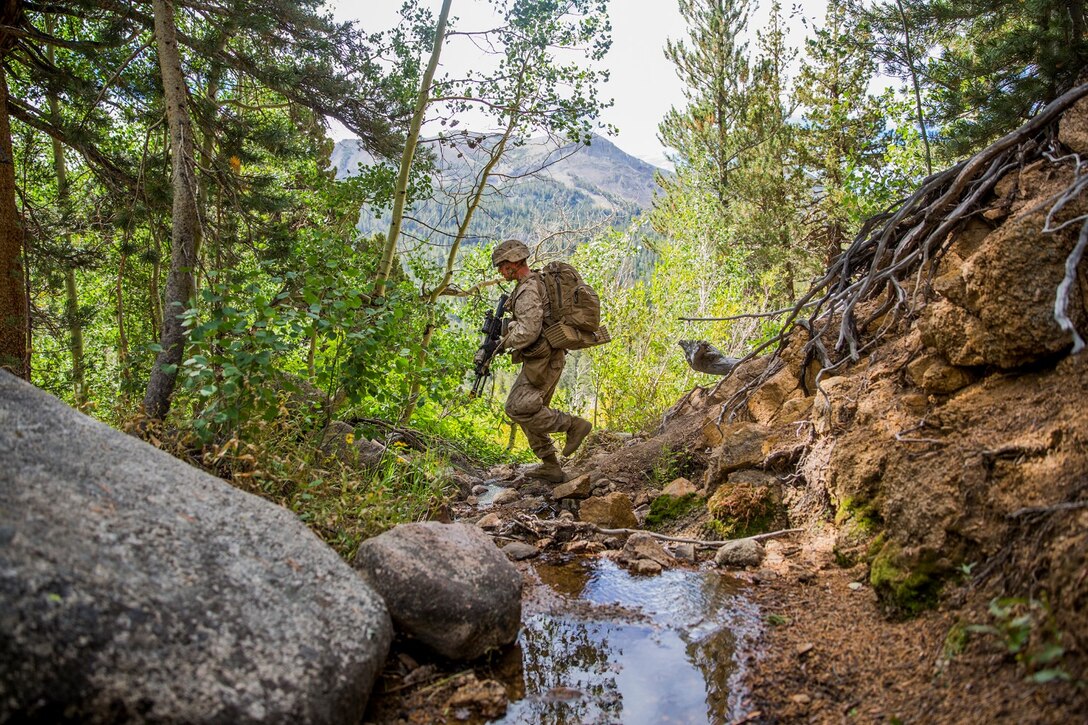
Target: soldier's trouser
(529, 398)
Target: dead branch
(697, 542)
(540, 527)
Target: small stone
(472, 501)
(684, 552)
(804, 649)
(801, 699)
(642, 546)
(679, 488)
(505, 496)
(577, 488)
(646, 566)
(519, 550)
(855, 585)
(489, 521)
(739, 554)
(479, 489)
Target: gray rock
(446, 585)
(505, 496)
(519, 550)
(338, 441)
(684, 552)
(642, 545)
(136, 587)
(740, 553)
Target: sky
(642, 81)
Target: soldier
(542, 365)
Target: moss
(905, 585)
(843, 559)
(669, 508)
(875, 546)
(744, 510)
(955, 641)
(863, 516)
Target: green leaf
(1042, 677)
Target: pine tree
(841, 125)
(992, 65)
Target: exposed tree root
(895, 252)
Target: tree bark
(14, 351)
(917, 86)
(185, 216)
(385, 267)
(71, 307)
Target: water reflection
(599, 645)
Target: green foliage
(670, 465)
(667, 508)
(987, 67)
(1027, 630)
(342, 503)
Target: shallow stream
(600, 645)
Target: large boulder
(447, 586)
(135, 587)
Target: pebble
(801, 699)
(855, 585)
(804, 649)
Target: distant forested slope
(578, 193)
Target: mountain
(579, 190)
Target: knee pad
(524, 403)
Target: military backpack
(575, 318)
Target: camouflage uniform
(529, 398)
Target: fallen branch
(697, 542)
(534, 525)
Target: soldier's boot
(549, 470)
(577, 430)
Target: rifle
(489, 344)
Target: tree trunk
(385, 267)
(14, 350)
(71, 307)
(185, 216)
(917, 86)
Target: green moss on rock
(906, 584)
(669, 508)
(745, 510)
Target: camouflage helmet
(511, 250)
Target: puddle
(599, 645)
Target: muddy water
(600, 645)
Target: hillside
(583, 188)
